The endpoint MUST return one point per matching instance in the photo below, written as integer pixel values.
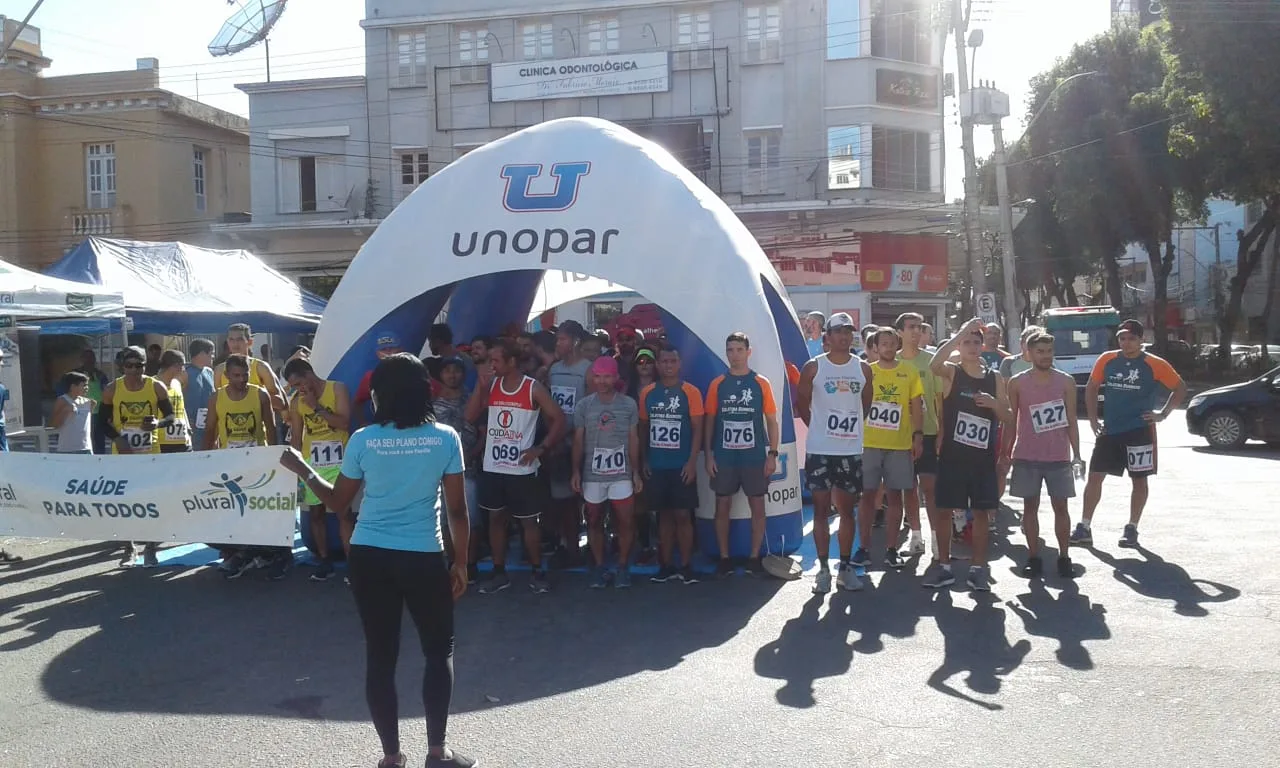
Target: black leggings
(385, 582)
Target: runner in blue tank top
(1132, 381)
(741, 442)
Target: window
(539, 41)
(198, 174)
(900, 160)
(844, 29)
(693, 32)
(100, 175)
(413, 168)
(844, 157)
(601, 313)
(764, 33)
(473, 54)
(901, 30)
(603, 36)
(411, 57)
(763, 162)
(307, 183)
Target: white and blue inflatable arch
(588, 197)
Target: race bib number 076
(738, 436)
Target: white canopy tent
(30, 295)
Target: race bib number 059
(1046, 417)
(738, 436)
(973, 431)
(1141, 458)
(665, 435)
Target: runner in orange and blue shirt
(1132, 381)
(740, 417)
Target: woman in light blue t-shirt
(402, 459)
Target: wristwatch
(773, 453)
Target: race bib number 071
(1141, 458)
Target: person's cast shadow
(1153, 576)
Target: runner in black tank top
(974, 404)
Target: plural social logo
(233, 494)
(517, 197)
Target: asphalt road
(1155, 657)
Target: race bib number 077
(1141, 458)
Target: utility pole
(972, 234)
(1012, 318)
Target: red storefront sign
(912, 263)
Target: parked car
(1228, 416)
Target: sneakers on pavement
(497, 583)
(822, 582)
(665, 573)
(939, 578)
(848, 579)
(323, 572)
(1082, 535)
(688, 576)
(892, 559)
(724, 568)
(279, 567)
(978, 580)
(599, 578)
(915, 546)
(861, 558)
(235, 566)
(538, 583)
(1064, 568)
(9, 557)
(1033, 569)
(623, 579)
(1129, 539)
(454, 760)
(753, 567)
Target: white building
(819, 121)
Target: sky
(322, 38)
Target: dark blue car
(1230, 415)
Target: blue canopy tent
(173, 287)
(587, 197)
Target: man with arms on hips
(893, 441)
(671, 433)
(974, 404)
(1042, 442)
(1132, 380)
(241, 416)
(509, 486)
(606, 449)
(567, 382)
(318, 420)
(134, 408)
(911, 326)
(833, 398)
(197, 387)
(741, 443)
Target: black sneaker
(454, 760)
(688, 576)
(892, 559)
(9, 557)
(1129, 539)
(235, 567)
(724, 568)
(939, 579)
(753, 567)
(278, 570)
(665, 573)
(1034, 568)
(1064, 568)
(323, 571)
(861, 558)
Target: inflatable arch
(576, 196)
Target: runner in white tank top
(511, 404)
(832, 398)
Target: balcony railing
(86, 222)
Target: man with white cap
(832, 398)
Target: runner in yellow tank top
(240, 342)
(318, 419)
(133, 407)
(240, 413)
(176, 436)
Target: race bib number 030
(843, 425)
(1046, 417)
(886, 416)
(738, 436)
(609, 461)
(326, 453)
(566, 398)
(1141, 458)
(973, 431)
(665, 434)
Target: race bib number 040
(886, 416)
(1046, 417)
(973, 431)
(665, 434)
(1141, 458)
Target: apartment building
(109, 154)
(819, 121)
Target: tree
(1100, 150)
(1221, 87)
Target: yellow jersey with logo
(130, 407)
(177, 433)
(255, 377)
(888, 424)
(322, 445)
(240, 422)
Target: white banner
(11, 379)
(610, 74)
(240, 496)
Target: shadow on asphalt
(188, 642)
(1247, 451)
(1071, 618)
(1152, 576)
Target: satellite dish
(248, 26)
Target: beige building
(109, 154)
